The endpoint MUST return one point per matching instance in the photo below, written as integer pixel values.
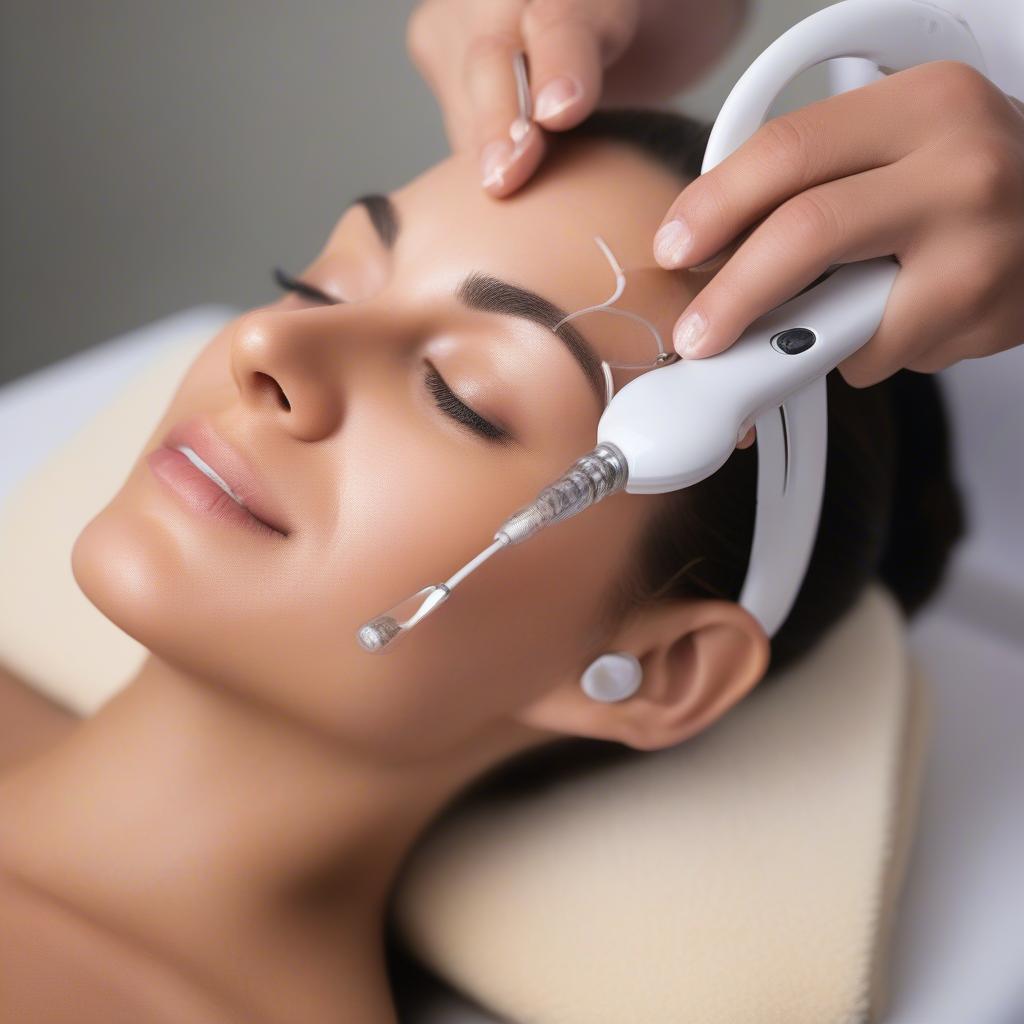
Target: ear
(699, 658)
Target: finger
(912, 325)
(931, 320)
(509, 149)
(428, 42)
(938, 358)
(748, 438)
(570, 43)
(506, 165)
(986, 340)
(851, 219)
(833, 138)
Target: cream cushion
(749, 875)
(746, 876)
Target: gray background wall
(157, 155)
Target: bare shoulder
(64, 967)
(29, 721)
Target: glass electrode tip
(383, 630)
(599, 473)
(380, 632)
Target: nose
(286, 366)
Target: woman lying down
(218, 843)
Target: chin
(129, 570)
(134, 564)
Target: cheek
(520, 624)
(411, 513)
(407, 505)
(202, 596)
(512, 630)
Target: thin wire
(437, 596)
(456, 578)
(522, 86)
(606, 307)
(620, 284)
(620, 274)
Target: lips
(213, 477)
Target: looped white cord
(614, 297)
(606, 306)
(620, 284)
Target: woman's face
(352, 418)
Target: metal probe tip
(378, 633)
(384, 629)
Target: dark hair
(890, 510)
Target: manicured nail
(687, 333)
(494, 161)
(556, 96)
(671, 242)
(519, 129)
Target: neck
(246, 830)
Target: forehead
(541, 237)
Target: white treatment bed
(958, 951)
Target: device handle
(892, 34)
(791, 439)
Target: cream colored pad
(745, 877)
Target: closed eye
(448, 402)
(445, 399)
(294, 284)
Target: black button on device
(793, 341)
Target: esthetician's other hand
(579, 52)
(927, 164)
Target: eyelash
(449, 403)
(292, 284)
(443, 396)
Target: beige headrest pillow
(748, 875)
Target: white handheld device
(674, 426)
(677, 425)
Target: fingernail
(671, 242)
(494, 160)
(687, 333)
(556, 96)
(712, 264)
(519, 129)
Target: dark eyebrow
(383, 215)
(492, 295)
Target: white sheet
(959, 938)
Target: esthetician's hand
(927, 164)
(579, 52)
